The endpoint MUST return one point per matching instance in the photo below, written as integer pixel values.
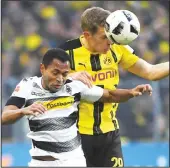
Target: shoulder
(24, 87)
(127, 47)
(71, 44)
(122, 48)
(28, 82)
(76, 86)
(30, 79)
(79, 84)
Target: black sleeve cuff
(16, 101)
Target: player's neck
(43, 84)
(85, 43)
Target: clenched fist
(140, 89)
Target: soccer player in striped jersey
(51, 103)
(93, 52)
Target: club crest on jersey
(17, 88)
(107, 60)
(68, 89)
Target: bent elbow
(6, 122)
(3, 121)
(153, 77)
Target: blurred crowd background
(29, 28)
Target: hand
(140, 89)
(34, 109)
(82, 76)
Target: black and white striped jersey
(54, 132)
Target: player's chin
(54, 89)
(104, 51)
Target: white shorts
(73, 162)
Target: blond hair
(92, 18)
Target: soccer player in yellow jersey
(92, 52)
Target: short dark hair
(92, 18)
(55, 53)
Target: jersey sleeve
(22, 89)
(92, 94)
(19, 95)
(128, 57)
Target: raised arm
(148, 71)
(113, 96)
(122, 95)
(140, 67)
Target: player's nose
(60, 78)
(109, 42)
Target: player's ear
(42, 68)
(86, 34)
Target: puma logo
(82, 64)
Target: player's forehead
(58, 65)
(100, 31)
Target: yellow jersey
(98, 117)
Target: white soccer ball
(122, 27)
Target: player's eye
(65, 74)
(54, 73)
(104, 37)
